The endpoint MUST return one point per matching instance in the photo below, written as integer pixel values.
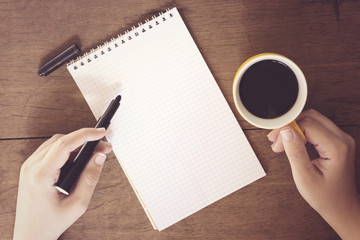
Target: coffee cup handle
(297, 128)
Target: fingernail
(100, 159)
(100, 129)
(286, 135)
(270, 133)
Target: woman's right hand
(328, 182)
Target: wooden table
(322, 37)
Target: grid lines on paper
(174, 133)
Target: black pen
(71, 171)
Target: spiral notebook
(174, 134)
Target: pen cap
(70, 53)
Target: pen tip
(118, 98)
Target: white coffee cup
(289, 117)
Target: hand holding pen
(72, 169)
(42, 212)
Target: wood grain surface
(321, 36)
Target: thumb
(296, 152)
(87, 182)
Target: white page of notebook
(174, 134)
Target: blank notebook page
(174, 134)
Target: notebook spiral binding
(121, 39)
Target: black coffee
(268, 89)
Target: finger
(60, 151)
(278, 146)
(321, 164)
(273, 135)
(317, 133)
(311, 113)
(325, 141)
(100, 142)
(296, 153)
(84, 188)
(41, 151)
(47, 143)
(104, 147)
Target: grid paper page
(174, 134)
